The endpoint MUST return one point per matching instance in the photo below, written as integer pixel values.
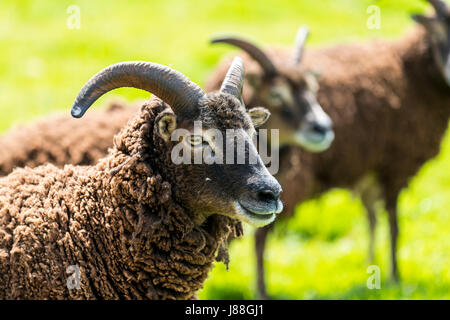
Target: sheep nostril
(268, 195)
(318, 128)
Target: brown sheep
(390, 104)
(52, 139)
(137, 225)
(286, 89)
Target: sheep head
(438, 29)
(290, 95)
(203, 142)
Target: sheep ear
(166, 124)
(259, 116)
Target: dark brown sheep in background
(136, 224)
(60, 140)
(390, 105)
(286, 89)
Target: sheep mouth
(257, 219)
(314, 141)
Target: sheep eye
(196, 140)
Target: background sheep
(59, 140)
(389, 102)
(284, 88)
(137, 225)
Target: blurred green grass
(322, 251)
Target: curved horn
(171, 86)
(252, 50)
(300, 40)
(440, 7)
(233, 81)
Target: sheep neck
(416, 53)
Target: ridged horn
(171, 86)
(440, 7)
(300, 40)
(234, 79)
(256, 53)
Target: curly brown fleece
(61, 140)
(118, 221)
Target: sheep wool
(60, 139)
(390, 114)
(390, 107)
(117, 222)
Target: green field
(322, 251)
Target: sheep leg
(372, 218)
(370, 192)
(260, 244)
(394, 230)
